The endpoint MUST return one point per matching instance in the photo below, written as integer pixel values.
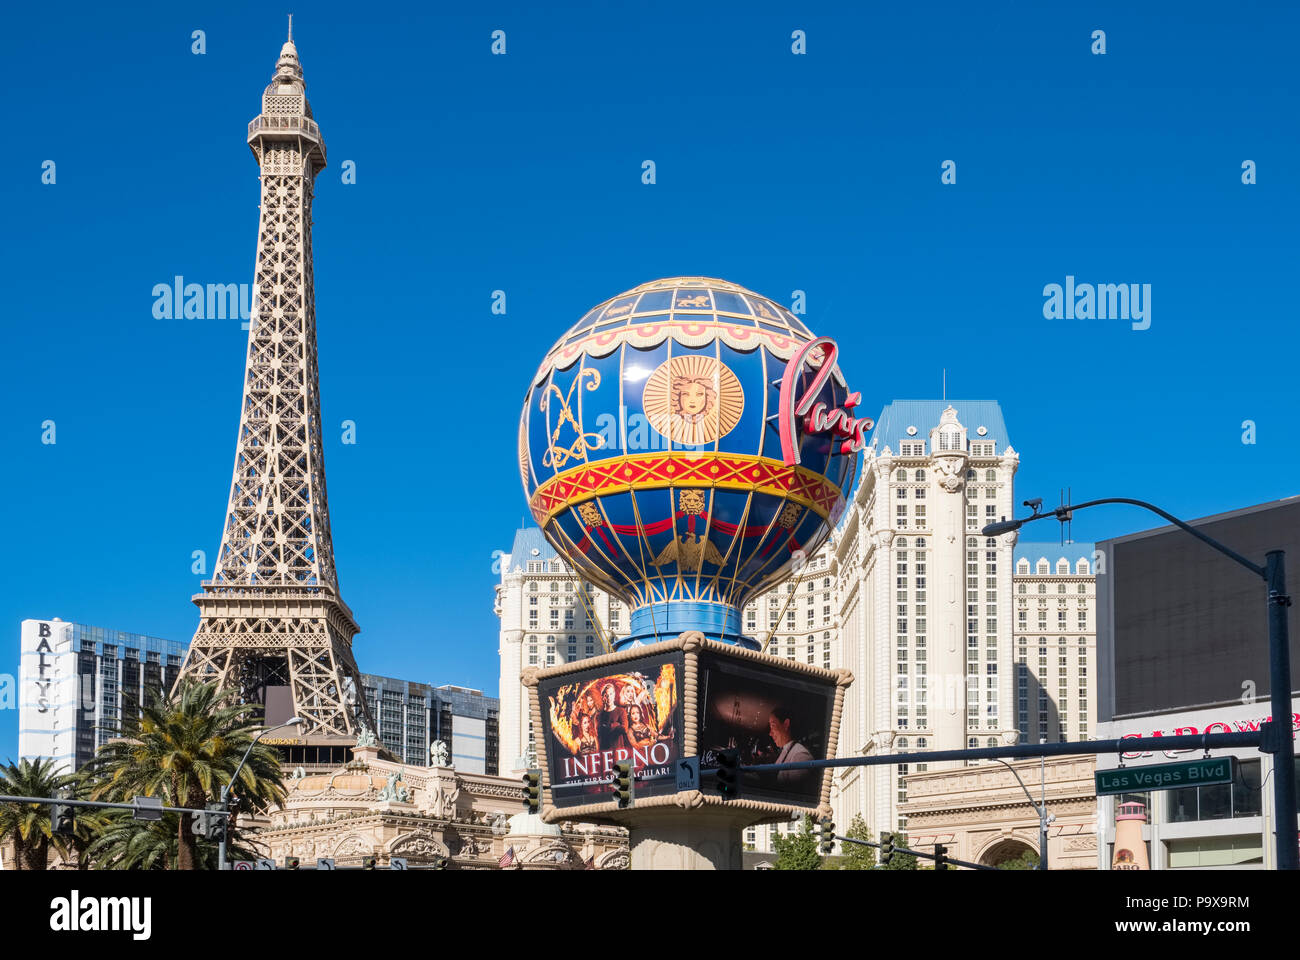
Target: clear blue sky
(523, 173)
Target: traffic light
(291, 863)
(886, 848)
(729, 774)
(533, 790)
(62, 818)
(624, 783)
(200, 824)
(828, 836)
(217, 824)
(368, 863)
(940, 857)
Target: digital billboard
(1181, 624)
(770, 718)
(631, 710)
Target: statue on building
(441, 754)
(365, 736)
(392, 791)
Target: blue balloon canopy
(651, 453)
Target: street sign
(324, 863)
(688, 773)
(1166, 776)
(264, 864)
(242, 865)
(396, 863)
(147, 808)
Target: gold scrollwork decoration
(556, 455)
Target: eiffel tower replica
(272, 624)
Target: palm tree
(129, 844)
(28, 824)
(184, 748)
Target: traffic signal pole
(919, 853)
(1200, 741)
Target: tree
(183, 748)
(901, 861)
(125, 843)
(855, 856)
(798, 851)
(28, 824)
(1028, 860)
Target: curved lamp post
(1039, 808)
(1273, 573)
(225, 789)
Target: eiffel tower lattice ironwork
(271, 616)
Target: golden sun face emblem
(693, 399)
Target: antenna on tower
(945, 384)
(291, 28)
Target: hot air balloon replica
(685, 446)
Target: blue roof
(1034, 551)
(892, 424)
(529, 545)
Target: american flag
(507, 858)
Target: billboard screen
(594, 718)
(769, 718)
(1184, 624)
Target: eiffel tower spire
(271, 616)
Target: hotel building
(78, 683)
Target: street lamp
(1273, 573)
(1041, 808)
(225, 789)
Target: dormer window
(1044, 567)
(1081, 566)
(1022, 566)
(1062, 567)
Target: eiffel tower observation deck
(272, 623)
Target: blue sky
(522, 173)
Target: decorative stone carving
(441, 754)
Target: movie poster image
(769, 718)
(629, 711)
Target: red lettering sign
(807, 414)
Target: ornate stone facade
(981, 814)
(380, 808)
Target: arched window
(902, 743)
(1042, 588)
(1022, 588)
(902, 543)
(920, 542)
(901, 475)
(970, 474)
(992, 741)
(1060, 588)
(921, 743)
(919, 475)
(990, 475)
(532, 587)
(972, 542)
